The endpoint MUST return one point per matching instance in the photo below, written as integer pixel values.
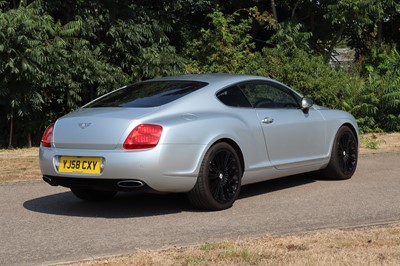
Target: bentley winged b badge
(84, 125)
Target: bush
(377, 104)
(310, 75)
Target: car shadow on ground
(277, 184)
(138, 204)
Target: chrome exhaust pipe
(49, 181)
(130, 184)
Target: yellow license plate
(80, 165)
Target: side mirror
(306, 104)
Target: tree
(362, 22)
(226, 46)
(27, 38)
(377, 104)
(133, 36)
(43, 65)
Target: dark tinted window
(148, 94)
(269, 95)
(234, 97)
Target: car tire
(219, 180)
(93, 195)
(344, 156)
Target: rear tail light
(48, 133)
(144, 136)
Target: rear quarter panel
(207, 128)
(188, 123)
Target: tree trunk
(273, 8)
(335, 41)
(312, 21)
(10, 139)
(379, 33)
(29, 140)
(295, 7)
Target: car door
(293, 137)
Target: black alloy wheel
(347, 153)
(219, 180)
(223, 176)
(344, 157)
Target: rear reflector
(47, 135)
(144, 136)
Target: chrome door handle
(267, 120)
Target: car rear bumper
(99, 184)
(166, 168)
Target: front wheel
(92, 195)
(219, 180)
(344, 156)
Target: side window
(269, 95)
(233, 96)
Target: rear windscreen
(147, 94)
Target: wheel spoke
(228, 162)
(218, 192)
(219, 161)
(232, 184)
(213, 172)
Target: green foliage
(371, 142)
(49, 67)
(131, 36)
(27, 38)
(289, 35)
(362, 22)
(57, 55)
(226, 46)
(310, 75)
(344, 11)
(377, 105)
(142, 48)
(45, 65)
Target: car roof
(216, 79)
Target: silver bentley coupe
(205, 135)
